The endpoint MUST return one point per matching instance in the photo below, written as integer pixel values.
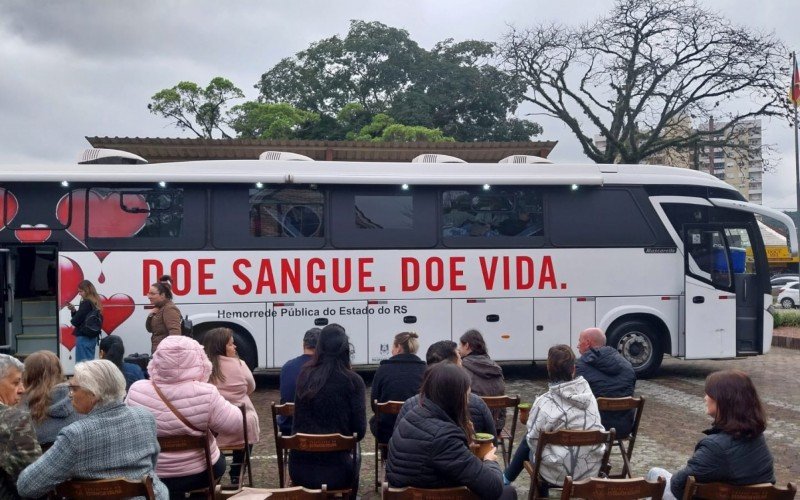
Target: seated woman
(112, 349)
(486, 375)
(330, 399)
(430, 445)
(47, 396)
(178, 373)
(18, 446)
(235, 383)
(734, 450)
(113, 440)
(567, 404)
(396, 379)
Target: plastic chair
(244, 446)
(623, 404)
(566, 438)
(284, 410)
(105, 488)
(192, 443)
(317, 443)
(381, 449)
(503, 436)
(724, 491)
(412, 493)
(608, 489)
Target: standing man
(609, 375)
(289, 373)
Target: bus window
(287, 213)
(384, 212)
(501, 211)
(135, 213)
(708, 257)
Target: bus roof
(324, 172)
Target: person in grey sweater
(113, 441)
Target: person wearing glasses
(18, 445)
(113, 441)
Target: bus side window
(471, 212)
(287, 213)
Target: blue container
(738, 257)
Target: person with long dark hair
(396, 379)
(734, 449)
(486, 375)
(113, 349)
(165, 317)
(235, 383)
(430, 444)
(330, 398)
(85, 341)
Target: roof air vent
(100, 156)
(436, 158)
(282, 155)
(524, 159)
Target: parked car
(789, 296)
(781, 280)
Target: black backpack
(93, 324)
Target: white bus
(529, 254)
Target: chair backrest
(295, 493)
(284, 410)
(409, 492)
(106, 488)
(622, 404)
(191, 443)
(498, 402)
(724, 491)
(607, 489)
(245, 437)
(565, 437)
(321, 443)
(386, 408)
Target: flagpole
(796, 148)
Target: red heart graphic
(107, 219)
(68, 336)
(33, 234)
(12, 208)
(116, 309)
(71, 275)
(102, 255)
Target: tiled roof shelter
(159, 150)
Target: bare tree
(645, 69)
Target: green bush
(786, 318)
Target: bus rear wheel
(638, 342)
(245, 346)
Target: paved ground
(673, 418)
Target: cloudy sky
(70, 69)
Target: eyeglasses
(72, 388)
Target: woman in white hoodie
(568, 404)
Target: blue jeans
(84, 348)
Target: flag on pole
(794, 91)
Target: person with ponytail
(85, 341)
(396, 379)
(330, 398)
(113, 349)
(430, 444)
(165, 317)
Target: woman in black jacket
(86, 340)
(396, 379)
(329, 399)
(734, 450)
(430, 445)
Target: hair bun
(413, 335)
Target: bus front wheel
(638, 342)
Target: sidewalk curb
(786, 342)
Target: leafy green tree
(257, 120)
(191, 107)
(453, 87)
(383, 128)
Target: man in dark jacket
(609, 375)
(289, 373)
(479, 413)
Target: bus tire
(638, 342)
(245, 346)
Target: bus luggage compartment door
(429, 318)
(506, 325)
(551, 325)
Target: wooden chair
(318, 443)
(105, 488)
(724, 491)
(411, 493)
(381, 449)
(609, 489)
(497, 403)
(296, 493)
(566, 438)
(244, 447)
(623, 404)
(192, 443)
(284, 410)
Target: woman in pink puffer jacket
(180, 369)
